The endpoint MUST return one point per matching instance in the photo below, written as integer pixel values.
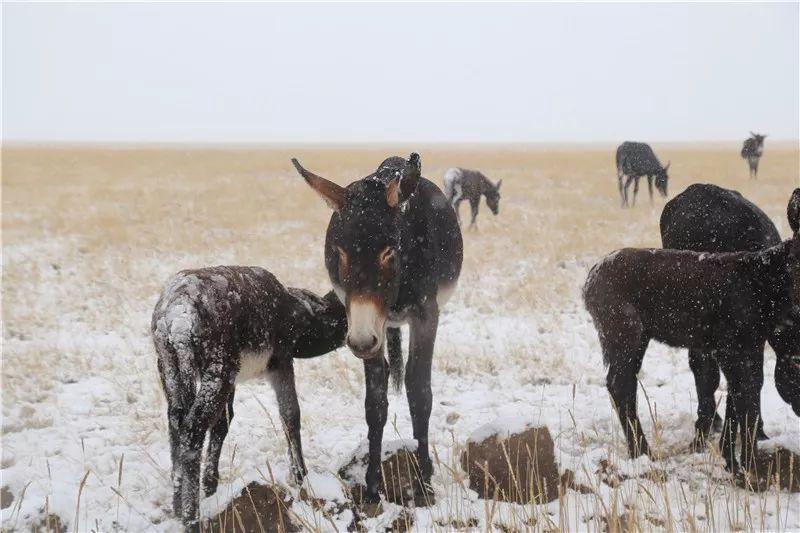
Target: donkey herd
(723, 285)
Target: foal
(725, 304)
(216, 326)
(461, 184)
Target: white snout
(365, 327)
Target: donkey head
(493, 197)
(362, 246)
(758, 138)
(661, 180)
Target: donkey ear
(793, 211)
(393, 193)
(409, 180)
(668, 164)
(497, 186)
(334, 195)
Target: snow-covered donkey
(213, 327)
(462, 184)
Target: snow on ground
(92, 446)
(89, 237)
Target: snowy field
(89, 236)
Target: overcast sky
(414, 72)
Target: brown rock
(259, 508)
(779, 467)
(400, 477)
(518, 467)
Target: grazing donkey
(752, 150)
(393, 251)
(707, 218)
(213, 327)
(726, 304)
(461, 184)
(635, 160)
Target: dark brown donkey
(707, 218)
(215, 326)
(723, 304)
(393, 251)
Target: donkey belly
(253, 364)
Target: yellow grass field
(91, 233)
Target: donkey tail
(451, 181)
(395, 348)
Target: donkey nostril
(374, 340)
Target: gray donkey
(214, 327)
(462, 184)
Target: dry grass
(90, 234)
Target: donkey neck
(484, 183)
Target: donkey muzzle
(366, 323)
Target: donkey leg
(727, 440)
(758, 376)
(635, 190)
(282, 379)
(706, 380)
(456, 205)
(628, 181)
(650, 188)
(738, 369)
(179, 401)
(215, 440)
(208, 406)
(620, 180)
(474, 206)
(420, 396)
(625, 361)
(376, 405)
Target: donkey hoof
(210, 484)
(210, 488)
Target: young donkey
(393, 252)
(725, 304)
(461, 184)
(213, 327)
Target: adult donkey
(708, 218)
(393, 251)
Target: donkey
(707, 218)
(214, 327)
(393, 251)
(461, 184)
(752, 150)
(635, 160)
(725, 304)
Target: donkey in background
(393, 251)
(214, 327)
(461, 184)
(635, 160)
(724, 304)
(752, 150)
